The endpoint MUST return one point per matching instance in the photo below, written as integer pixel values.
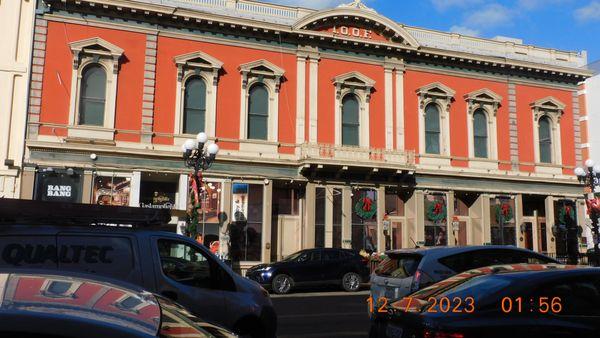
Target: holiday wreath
(504, 213)
(564, 212)
(436, 211)
(365, 207)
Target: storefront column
(415, 219)
(134, 195)
(328, 217)
(347, 217)
(380, 214)
(88, 186)
(226, 209)
(27, 183)
(450, 241)
(308, 226)
(550, 240)
(486, 220)
(519, 220)
(475, 232)
(181, 201)
(535, 231)
(267, 211)
(582, 221)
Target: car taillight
(416, 281)
(440, 334)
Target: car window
(331, 255)
(315, 256)
(398, 266)
(184, 264)
(577, 297)
(480, 258)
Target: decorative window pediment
(483, 98)
(197, 60)
(436, 92)
(354, 81)
(95, 47)
(261, 69)
(548, 106)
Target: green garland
(436, 211)
(365, 207)
(563, 213)
(504, 213)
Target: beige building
(16, 24)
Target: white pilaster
(134, 194)
(300, 98)
(389, 108)
(399, 109)
(313, 99)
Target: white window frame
(553, 109)
(361, 86)
(254, 73)
(489, 102)
(94, 51)
(442, 96)
(207, 68)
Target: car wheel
(351, 282)
(282, 284)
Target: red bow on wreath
(505, 210)
(437, 209)
(367, 202)
(568, 210)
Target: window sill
(546, 168)
(435, 160)
(91, 132)
(258, 146)
(482, 163)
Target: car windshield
(175, 321)
(293, 256)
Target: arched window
(194, 106)
(545, 139)
(480, 134)
(258, 112)
(432, 129)
(350, 121)
(93, 96)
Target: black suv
(313, 267)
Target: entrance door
(288, 228)
(396, 235)
(528, 235)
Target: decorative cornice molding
(482, 98)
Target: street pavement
(322, 314)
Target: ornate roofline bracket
(483, 98)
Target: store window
(111, 190)
(286, 201)
(394, 205)
(320, 202)
(364, 220)
(566, 229)
(158, 191)
(52, 185)
(436, 218)
(247, 222)
(502, 221)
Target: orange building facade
(337, 128)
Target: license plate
(393, 331)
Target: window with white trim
(547, 113)
(93, 88)
(196, 93)
(434, 119)
(482, 108)
(352, 106)
(261, 81)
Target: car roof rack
(27, 212)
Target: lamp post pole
(199, 158)
(591, 178)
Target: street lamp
(591, 178)
(199, 158)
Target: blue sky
(561, 24)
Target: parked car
(313, 267)
(165, 263)
(522, 300)
(408, 270)
(43, 304)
